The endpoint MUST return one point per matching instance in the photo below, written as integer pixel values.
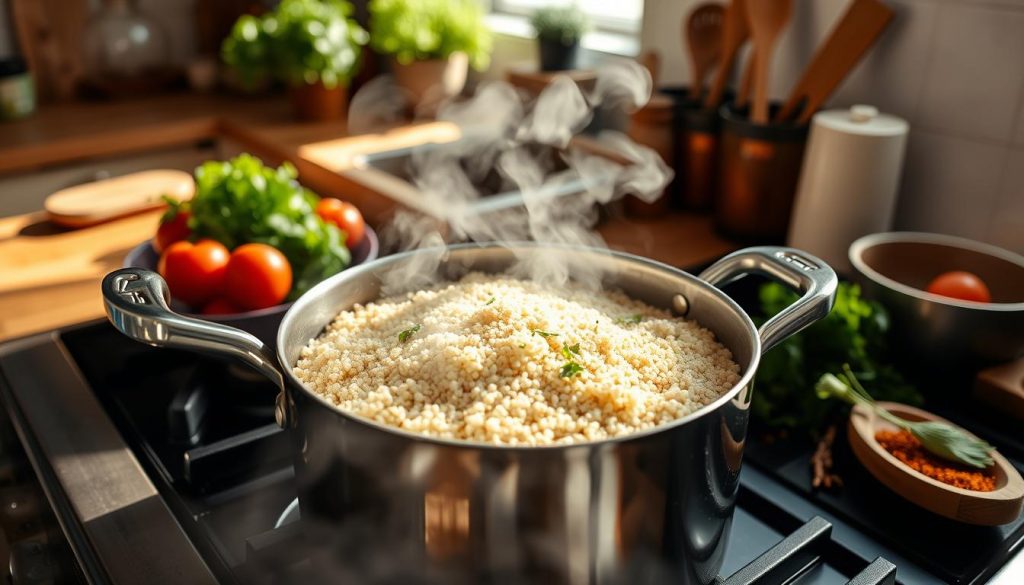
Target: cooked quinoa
(495, 359)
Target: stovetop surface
(225, 473)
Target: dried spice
(904, 446)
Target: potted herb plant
(312, 45)
(246, 51)
(559, 30)
(431, 44)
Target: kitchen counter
(63, 133)
(51, 276)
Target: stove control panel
(31, 540)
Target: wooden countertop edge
(114, 142)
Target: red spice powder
(904, 446)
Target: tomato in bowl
(262, 323)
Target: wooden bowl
(1001, 506)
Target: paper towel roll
(848, 183)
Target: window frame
(601, 23)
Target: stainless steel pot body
(383, 505)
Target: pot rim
(315, 293)
(859, 246)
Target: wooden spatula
(703, 33)
(767, 20)
(108, 199)
(735, 32)
(746, 83)
(859, 28)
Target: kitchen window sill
(600, 41)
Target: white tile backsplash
(953, 68)
(1007, 223)
(975, 72)
(891, 76)
(950, 185)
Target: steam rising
(513, 143)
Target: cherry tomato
(962, 285)
(220, 306)
(194, 272)
(258, 276)
(171, 231)
(344, 215)
(327, 208)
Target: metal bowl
(262, 323)
(936, 331)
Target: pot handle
(800, 271)
(137, 300)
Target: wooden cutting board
(109, 199)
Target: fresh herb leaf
(492, 300)
(522, 345)
(569, 350)
(241, 201)
(406, 334)
(174, 207)
(571, 369)
(938, 438)
(630, 319)
(854, 332)
(542, 333)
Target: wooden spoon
(767, 19)
(735, 32)
(703, 32)
(743, 93)
(859, 28)
(1001, 506)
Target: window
(610, 15)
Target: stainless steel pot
(382, 505)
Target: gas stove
(121, 463)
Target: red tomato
(194, 272)
(220, 306)
(327, 208)
(171, 231)
(258, 276)
(344, 215)
(962, 285)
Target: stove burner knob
(20, 512)
(33, 564)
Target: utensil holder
(655, 126)
(697, 133)
(760, 167)
(688, 142)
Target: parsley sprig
(571, 367)
(630, 319)
(542, 333)
(407, 333)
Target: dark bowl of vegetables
(250, 242)
(956, 304)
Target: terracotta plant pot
(316, 103)
(430, 82)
